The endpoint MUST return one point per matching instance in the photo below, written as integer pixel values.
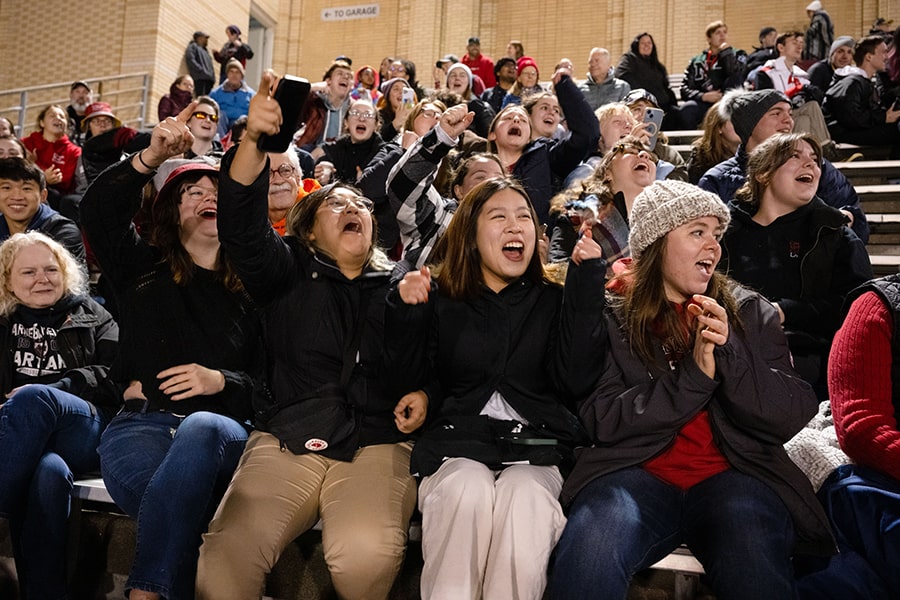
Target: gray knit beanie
(745, 109)
(664, 205)
(844, 40)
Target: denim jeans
(169, 472)
(46, 435)
(625, 521)
(863, 506)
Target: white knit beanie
(665, 205)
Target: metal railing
(127, 94)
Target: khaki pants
(365, 506)
(486, 534)
(808, 118)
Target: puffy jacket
(834, 263)
(88, 341)
(756, 403)
(541, 348)
(641, 72)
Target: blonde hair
(73, 275)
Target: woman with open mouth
(326, 445)
(687, 422)
(603, 202)
(493, 347)
(795, 250)
(345, 158)
(541, 163)
(190, 349)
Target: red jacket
(62, 153)
(482, 67)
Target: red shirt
(482, 67)
(62, 154)
(693, 456)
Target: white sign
(345, 13)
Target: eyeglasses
(338, 204)
(361, 115)
(633, 149)
(431, 114)
(397, 70)
(202, 115)
(284, 169)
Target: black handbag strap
(352, 349)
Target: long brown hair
(458, 262)
(165, 234)
(649, 315)
(712, 148)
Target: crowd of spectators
(523, 278)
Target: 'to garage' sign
(345, 13)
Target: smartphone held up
(291, 95)
(654, 118)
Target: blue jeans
(46, 435)
(168, 473)
(863, 506)
(625, 521)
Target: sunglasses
(202, 115)
(633, 149)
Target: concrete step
(683, 137)
(881, 198)
(870, 172)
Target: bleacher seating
(101, 539)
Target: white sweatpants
(488, 534)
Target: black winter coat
(756, 403)
(311, 310)
(541, 351)
(809, 251)
(88, 341)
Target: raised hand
(415, 286)
(170, 138)
(456, 119)
(264, 114)
(560, 73)
(586, 248)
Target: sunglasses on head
(202, 115)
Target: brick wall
(46, 41)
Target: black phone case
(291, 95)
